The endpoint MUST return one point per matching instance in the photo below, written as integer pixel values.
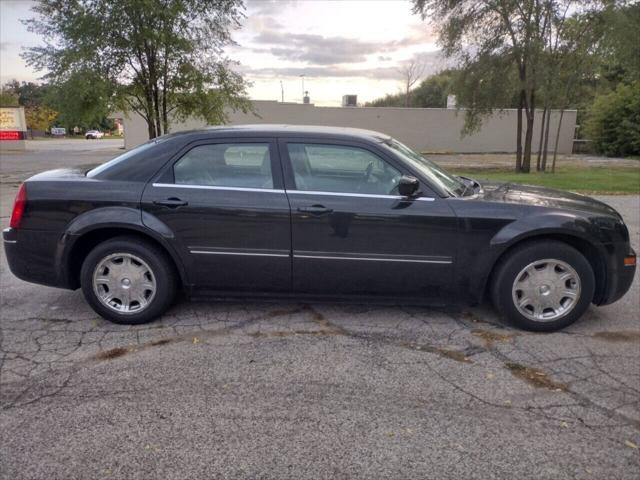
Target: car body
(314, 213)
(93, 134)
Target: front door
(353, 233)
(225, 204)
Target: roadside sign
(12, 123)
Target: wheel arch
(593, 253)
(78, 246)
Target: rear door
(352, 233)
(224, 201)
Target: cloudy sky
(341, 47)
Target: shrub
(613, 123)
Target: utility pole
(282, 91)
(302, 77)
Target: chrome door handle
(315, 210)
(172, 202)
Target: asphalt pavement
(292, 391)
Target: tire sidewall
(519, 259)
(165, 279)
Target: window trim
(165, 176)
(289, 176)
(429, 194)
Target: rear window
(125, 156)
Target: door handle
(315, 210)
(172, 202)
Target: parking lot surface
(273, 391)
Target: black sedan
(314, 213)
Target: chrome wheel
(546, 290)
(124, 283)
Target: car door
(224, 202)
(353, 234)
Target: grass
(613, 180)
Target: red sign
(11, 135)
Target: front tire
(543, 286)
(128, 281)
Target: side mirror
(408, 186)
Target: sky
(340, 46)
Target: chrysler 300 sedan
(312, 213)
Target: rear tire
(543, 286)
(128, 281)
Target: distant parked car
(93, 134)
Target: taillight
(18, 207)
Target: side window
(337, 168)
(226, 165)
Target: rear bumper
(619, 277)
(32, 254)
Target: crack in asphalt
(463, 340)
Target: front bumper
(619, 278)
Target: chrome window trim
(299, 192)
(371, 259)
(362, 195)
(213, 187)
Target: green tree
(83, 98)
(160, 58)
(40, 117)
(491, 37)
(431, 93)
(614, 121)
(8, 98)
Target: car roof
(267, 130)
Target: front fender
(560, 225)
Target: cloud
(326, 50)
(432, 61)
(267, 7)
(316, 49)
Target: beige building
(423, 129)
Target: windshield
(449, 183)
(121, 158)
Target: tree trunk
(528, 137)
(555, 147)
(519, 133)
(151, 124)
(546, 142)
(544, 113)
(165, 116)
(156, 106)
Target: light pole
(282, 91)
(302, 77)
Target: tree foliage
(614, 121)
(499, 40)
(8, 98)
(431, 93)
(32, 96)
(40, 117)
(83, 99)
(162, 59)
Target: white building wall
(434, 130)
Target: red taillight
(18, 207)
